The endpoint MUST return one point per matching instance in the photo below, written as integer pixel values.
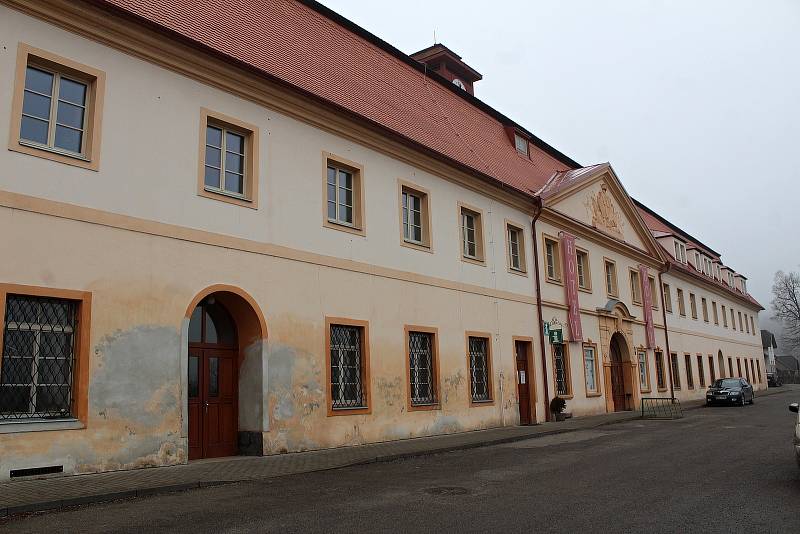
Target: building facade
(224, 247)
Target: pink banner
(647, 302)
(571, 286)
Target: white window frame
(338, 205)
(220, 189)
(589, 368)
(408, 223)
(514, 235)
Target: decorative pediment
(594, 196)
(617, 308)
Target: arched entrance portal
(224, 374)
(213, 381)
(620, 372)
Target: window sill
(591, 395)
(474, 261)
(556, 281)
(585, 289)
(230, 198)
(518, 272)
(342, 227)
(53, 154)
(417, 246)
(362, 410)
(39, 425)
(424, 407)
(478, 404)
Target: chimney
(448, 64)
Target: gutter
(538, 289)
(666, 332)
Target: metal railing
(661, 408)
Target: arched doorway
(213, 381)
(620, 372)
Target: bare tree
(786, 306)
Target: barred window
(660, 378)
(561, 372)
(676, 373)
(38, 358)
(644, 382)
(421, 367)
(479, 368)
(347, 389)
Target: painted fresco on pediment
(603, 213)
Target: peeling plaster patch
(445, 425)
(453, 384)
(284, 409)
(390, 392)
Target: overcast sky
(696, 104)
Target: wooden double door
(618, 377)
(213, 406)
(522, 349)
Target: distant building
(769, 345)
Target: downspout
(666, 333)
(537, 212)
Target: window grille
(643, 370)
(420, 352)
(346, 367)
(479, 369)
(660, 381)
(561, 370)
(38, 358)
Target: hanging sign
(556, 336)
(571, 286)
(647, 302)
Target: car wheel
(752, 398)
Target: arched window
(211, 324)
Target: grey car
(730, 391)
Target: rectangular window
(57, 108)
(552, 253)
(714, 312)
(228, 164)
(480, 371)
(349, 366)
(344, 195)
(590, 368)
(721, 367)
(471, 235)
(680, 252)
(711, 369)
(733, 320)
(636, 287)
(740, 322)
(517, 262)
(689, 373)
(701, 372)
(40, 338)
(644, 375)
(724, 317)
(661, 381)
(730, 367)
(667, 299)
(758, 370)
(752, 326)
(681, 303)
(746, 324)
(653, 292)
(693, 305)
(676, 373)
(747, 369)
(521, 144)
(422, 371)
(414, 216)
(611, 278)
(739, 367)
(584, 273)
(704, 306)
(561, 367)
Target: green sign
(546, 329)
(556, 336)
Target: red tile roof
(658, 224)
(296, 43)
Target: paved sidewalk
(54, 493)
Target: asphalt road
(722, 469)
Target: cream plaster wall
(149, 161)
(141, 287)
